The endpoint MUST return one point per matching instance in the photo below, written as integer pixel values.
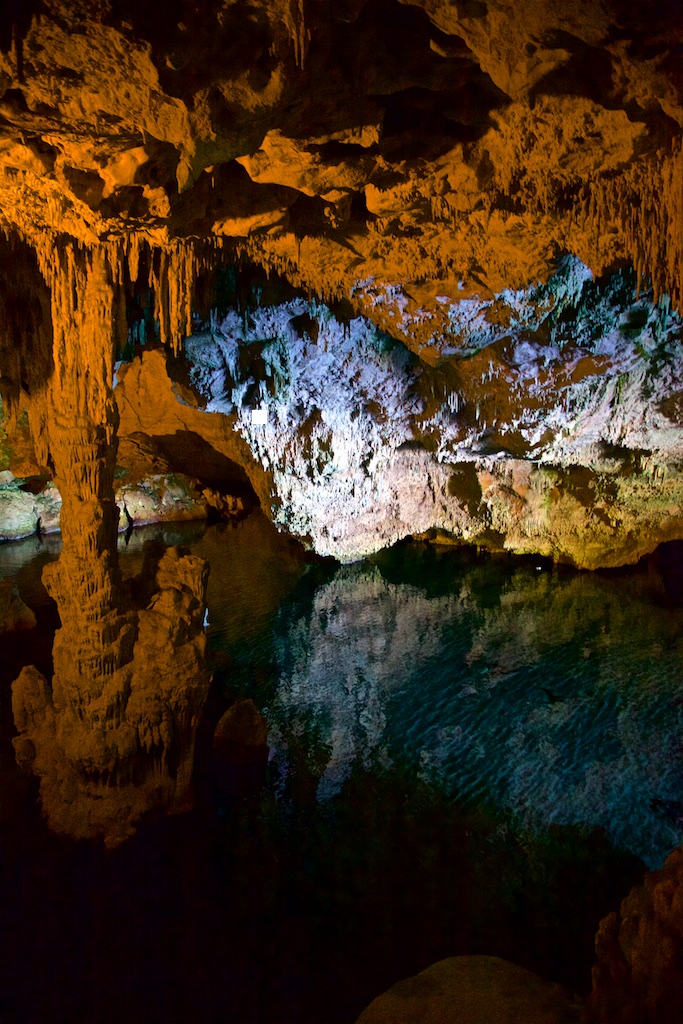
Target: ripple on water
(580, 725)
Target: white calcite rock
(556, 435)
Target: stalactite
(645, 202)
(133, 255)
(116, 668)
(172, 276)
(294, 20)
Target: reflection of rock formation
(339, 664)
(638, 976)
(125, 681)
(114, 737)
(14, 614)
(582, 726)
(240, 750)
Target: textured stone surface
(474, 990)
(449, 149)
(638, 975)
(570, 449)
(113, 736)
(435, 166)
(130, 675)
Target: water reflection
(555, 697)
(444, 729)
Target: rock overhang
(397, 154)
(475, 182)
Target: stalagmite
(127, 680)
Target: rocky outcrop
(638, 974)
(474, 990)
(560, 442)
(22, 512)
(457, 179)
(164, 424)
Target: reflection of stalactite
(645, 203)
(105, 760)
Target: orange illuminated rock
(426, 175)
(113, 736)
(638, 974)
(470, 143)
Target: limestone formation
(113, 740)
(129, 675)
(356, 146)
(524, 446)
(436, 167)
(638, 976)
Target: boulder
(474, 990)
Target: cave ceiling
(403, 154)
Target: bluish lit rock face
(556, 432)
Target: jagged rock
(226, 505)
(155, 499)
(17, 514)
(23, 513)
(465, 147)
(153, 420)
(474, 990)
(440, 179)
(364, 444)
(638, 974)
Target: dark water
(468, 755)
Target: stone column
(114, 736)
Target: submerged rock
(474, 990)
(14, 614)
(242, 725)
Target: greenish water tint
(547, 696)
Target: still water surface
(468, 754)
